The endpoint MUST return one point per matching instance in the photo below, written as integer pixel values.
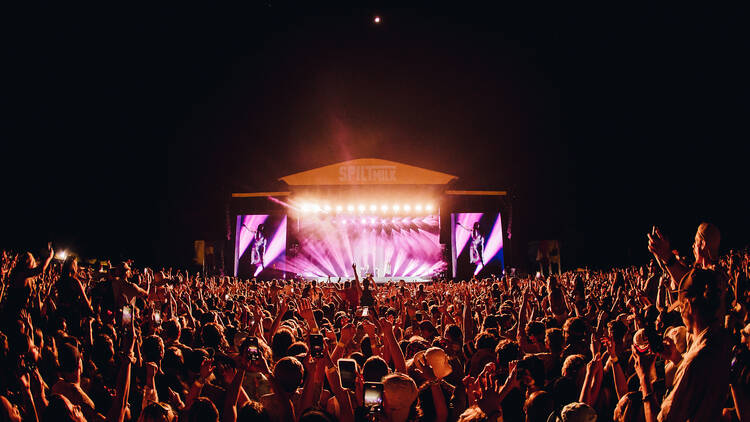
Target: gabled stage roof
(368, 171)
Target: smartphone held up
(347, 373)
(316, 345)
(127, 316)
(373, 396)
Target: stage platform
(378, 280)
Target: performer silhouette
(258, 246)
(476, 247)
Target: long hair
(70, 267)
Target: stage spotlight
(350, 208)
(344, 221)
(373, 208)
(327, 208)
(361, 208)
(407, 207)
(396, 207)
(363, 221)
(339, 208)
(418, 208)
(372, 221)
(305, 207)
(316, 208)
(384, 208)
(428, 207)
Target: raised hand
(207, 367)
(385, 324)
(283, 307)
(174, 399)
(595, 345)
(512, 380)
(658, 244)
(594, 366)
(473, 391)
(305, 310)
(369, 328)
(424, 369)
(25, 381)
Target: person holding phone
(124, 289)
(72, 301)
(22, 281)
(702, 376)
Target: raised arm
(399, 362)
(119, 405)
(468, 319)
(346, 411)
(658, 245)
(283, 307)
(195, 389)
(313, 385)
(233, 392)
(521, 325)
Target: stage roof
(368, 171)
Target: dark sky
(125, 129)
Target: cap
(577, 412)
(679, 337)
(640, 340)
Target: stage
(385, 217)
(378, 280)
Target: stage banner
(368, 171)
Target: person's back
(280, 405)
(702, 378)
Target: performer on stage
(476, 248)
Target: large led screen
(477, 244)
(322, 245)
(260, 245)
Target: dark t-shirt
(68, 292)
(367, 299)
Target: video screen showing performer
(260, 244)
(477, 244)
(476, 247)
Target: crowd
(665, 341)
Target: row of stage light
(361, 208)
(394, 222)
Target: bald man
(706, 253)
(705, 250)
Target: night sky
(125, 129)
